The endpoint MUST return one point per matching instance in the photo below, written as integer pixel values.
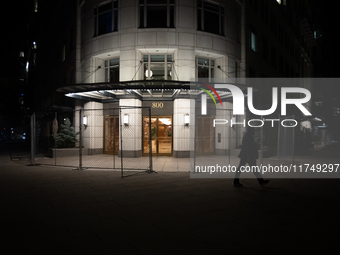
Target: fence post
(230, 130)
(278, 153)
(293, 145)
(261, 143)
(80, 139)
(150, 142)
(33, 136)
(194, 131)
(121, 142)
(55, 141)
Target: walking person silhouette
(249, 154)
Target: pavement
(59, 210)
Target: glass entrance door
(111, 135)
(161, 136)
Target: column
(77, 107)
(132, 132)
(183, 137)
(93, 133)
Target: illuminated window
(158, 67)
(283, 2)
(253, 40)
(35, 5)
(105, 18)
(210, 17)
(156, 14)
(317, 34)
(112, 70)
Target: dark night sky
(13, 31)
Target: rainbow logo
(212, 89)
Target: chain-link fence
(217, 140)
(286, 139)
(93, 138)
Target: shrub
(66, 138)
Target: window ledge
(156, 29)
(95, 36)
(199, 32)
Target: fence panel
(105, 138)
(217, 141)
(99, 138)
(51, 131)
(286, 140)
(135, 147)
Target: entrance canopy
(143, 89)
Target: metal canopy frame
(142, 89)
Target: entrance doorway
(205, 135)
(161, 135)
(111, 135)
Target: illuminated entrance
(161, 135)
(111, 135)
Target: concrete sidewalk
(56, 210)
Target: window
(156, 13)
(283, 2)
(106, 18)
(205, 68)
(317, 34)
(112, 70)
(253, 39)
(158, 67)
(210, 17)
(35, 5)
